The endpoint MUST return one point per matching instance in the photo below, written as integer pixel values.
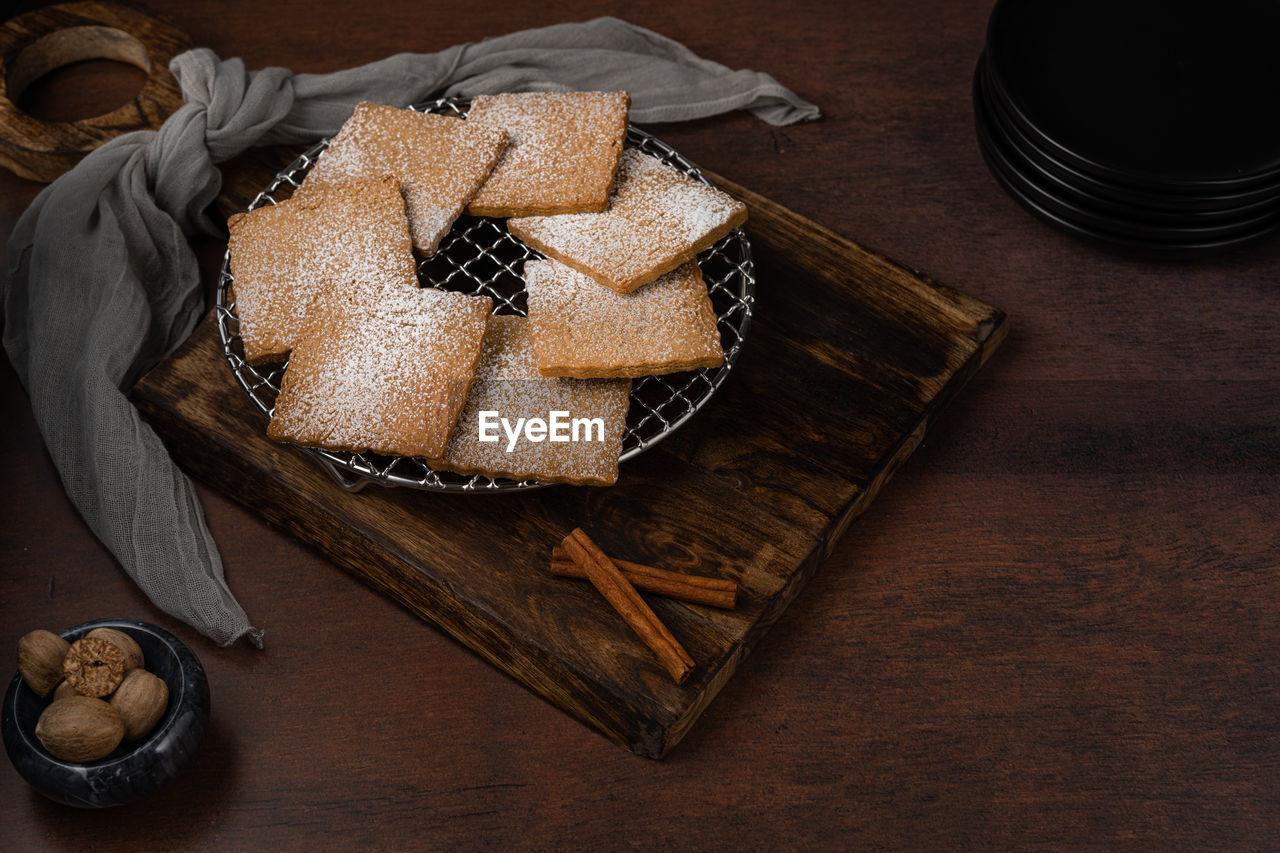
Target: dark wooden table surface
(1057, 626)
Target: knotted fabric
(103, 284)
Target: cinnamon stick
(619, 592)
(695, 589)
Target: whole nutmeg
(40, 656)
(63, 690)
(80, 728)
(93, 666)
(141, 700)
(128, 645)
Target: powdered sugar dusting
(585, 330)
(440, 162)
(657, 219)
(563, 152)
(388, 376)
(508, 382)
(282, 254)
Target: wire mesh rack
(479, 256)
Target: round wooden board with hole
(36, 43)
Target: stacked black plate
(1148, 124)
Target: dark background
(1057, 626)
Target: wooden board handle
(34, 44)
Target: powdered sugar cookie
(583, 330)
(563, 152)
(656, 220)
(582, 421)
(282, 254)
(440, 161)
(389, 376)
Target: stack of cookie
(378, 363)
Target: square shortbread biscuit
(562, 156)
(508, 384)
(389, 376)
(282, 254)
(656, 220)
(440, 161)
(583, 330)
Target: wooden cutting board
(849, 360)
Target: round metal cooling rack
(480, 257)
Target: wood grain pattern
(758, 493)
(44, 39)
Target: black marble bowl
(135, 768)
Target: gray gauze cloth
(103, 284)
